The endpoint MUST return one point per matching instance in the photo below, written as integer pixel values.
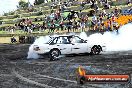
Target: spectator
(52, 27)
(82, 5)
(12, 30)
(82, 24)
(13, 40)
(129, 1)
(75, 26)
(94, 20)
(61, 25)
(69, 25)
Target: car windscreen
(51, 39)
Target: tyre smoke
(120, 40)
(39, 41)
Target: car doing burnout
(65, 45)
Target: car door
(63, 45)
(78, 45)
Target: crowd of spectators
(10, 29)
(74, 21)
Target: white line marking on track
(56, 78)
(30, 81)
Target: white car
(65, 45)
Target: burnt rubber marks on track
(18, 72)
(63, 74)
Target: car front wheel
(95, 50)
(54, 54)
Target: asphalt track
(18, 72)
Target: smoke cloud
(121, 41)
(114, 41)
(39, 41)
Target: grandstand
(39, 13)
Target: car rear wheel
(54, 54)
(95, 50)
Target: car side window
(65, 40)
(62, 40)
(77, 40)
(54, 41)
(59, 41)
